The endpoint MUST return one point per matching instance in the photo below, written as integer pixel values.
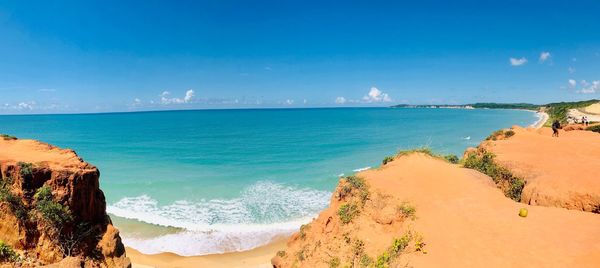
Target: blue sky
(100, 56)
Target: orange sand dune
(560, 172)
(464, 219)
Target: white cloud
(544, 56)
(26, 105)
(376, 95)
(189, 95)
(517, 62)
(571, 70)
(165, 98)
(340, 100)
(589, 88)
(572, 83)
(289, 102)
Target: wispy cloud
(572, 83)
(544, 56)
(518, 62)
(589, 88)
(340, 100)
(376, 95)
(47, 90)
(571, 70)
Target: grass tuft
(407, 210)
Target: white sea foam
(361, 169)
(263, 212)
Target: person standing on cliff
(555, 127)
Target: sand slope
(465, 222)
(560, 172)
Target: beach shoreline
(543, 117)
(255, 258)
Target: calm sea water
(198, 182)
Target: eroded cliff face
(52, 209)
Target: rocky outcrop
(52, 209)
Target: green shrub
(387, 159)
(15, 202)
(366, 261)
(25, 169)
(512, 186)
(303, 230)
(509, 133)
(400, 244)
(7, 137)
(7, 254)
(594, 128)
(51, 211)
(358, 183)
(281, 253)
(383, 260)
(334, 262)
(347, 212)
(451, 158)
(423, 150)
(494, 136)
(407, 210)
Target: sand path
(467, 222)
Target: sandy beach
(543, 117)
(256, 258)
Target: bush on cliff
(7, 254)
(52, 212)
(347, 212)
(15, 202)
(484, 163)
(25, 169)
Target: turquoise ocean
(211, 181)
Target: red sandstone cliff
(52, 209)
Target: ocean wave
(263, 212)
(361, 169)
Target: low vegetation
(500, 133)
(7, 137)
(357, 184)
(15, 203)
(25, 169)
(559, 110)
(387, 159)
(334, 262)
(303, 230)
(7, 254)
(594, 128)
(399, 246)
(348, 211)
(51, 212)
(484, 163)
(424, 150)
(407, 211)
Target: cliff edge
(557, 171)
(52, 211)
(422, 211)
